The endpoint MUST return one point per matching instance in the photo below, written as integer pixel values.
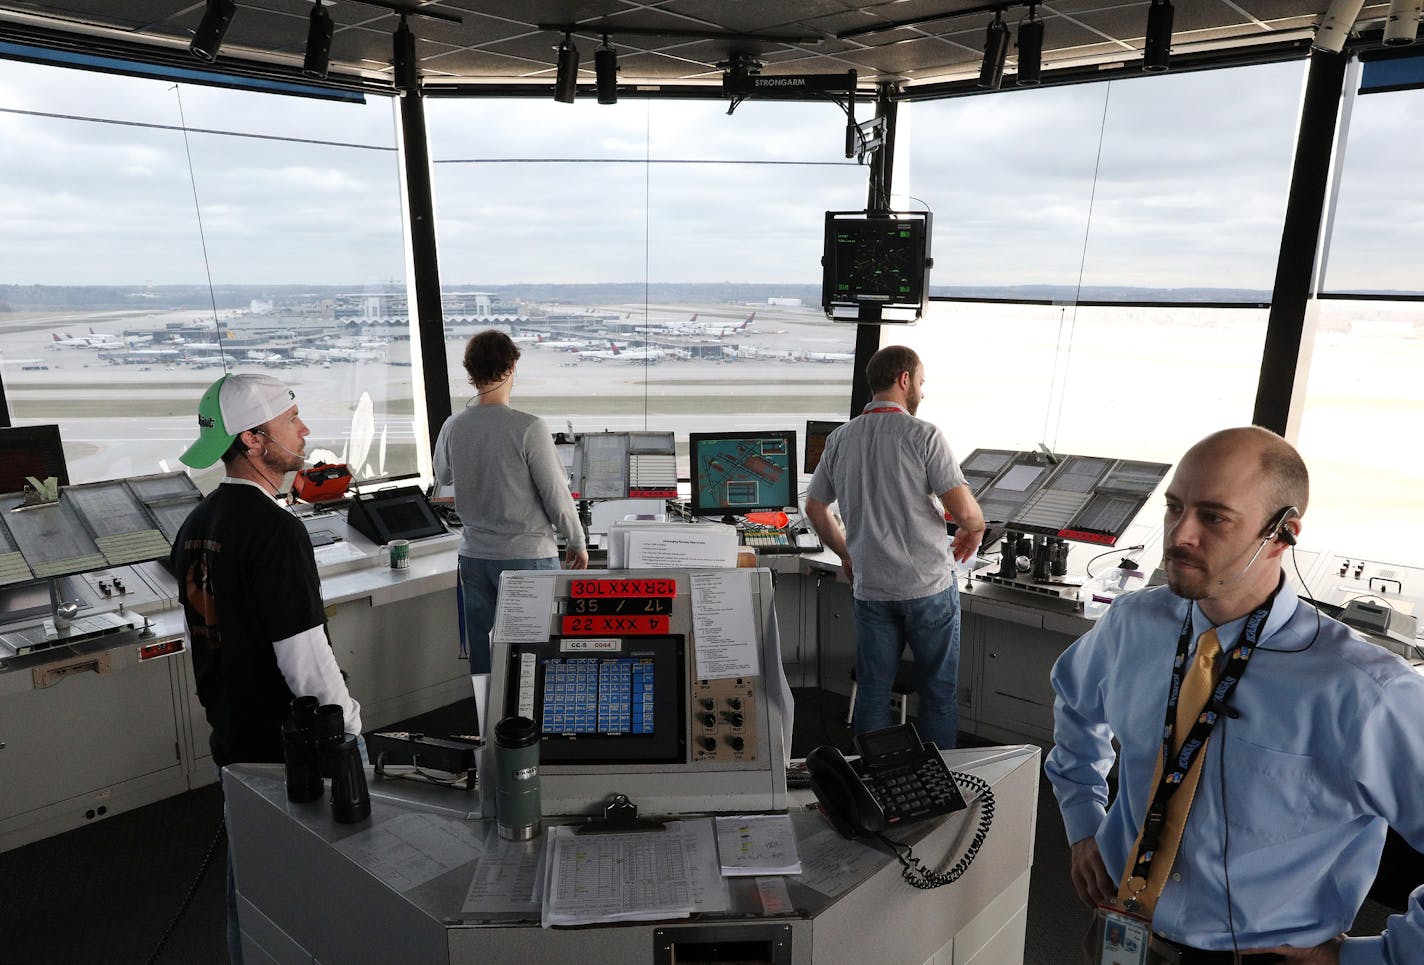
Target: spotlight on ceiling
(566, 79)
(605, 72)
(1030, 44)
(319, 31)
(996, 48)
(1403, 24)
(209, 35)
(1157, 51)
(1335, 26)
(407, 74)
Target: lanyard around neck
(1175, 769)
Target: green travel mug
(516, 778)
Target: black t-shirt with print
(246, 578)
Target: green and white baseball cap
(233, 404)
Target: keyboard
(767, 540)
(778, 541)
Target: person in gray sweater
(511, 491)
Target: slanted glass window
(159, 235)
(659, 261)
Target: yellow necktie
(1197, 684)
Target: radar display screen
(874, 259)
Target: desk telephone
(898, 779)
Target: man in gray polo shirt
(894, 478)
(511, 491)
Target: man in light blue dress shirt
(1320, 751)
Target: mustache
(1178, 555)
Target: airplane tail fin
(693, 318)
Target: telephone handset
(897, 779)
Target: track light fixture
(605, 72)
(996, 49)
(1030, 45)
(319, 31)
(1335, 26)
(407, 74)
(566, 79)
(1403, 24)
(209, 35)
(1157, 51)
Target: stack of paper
(651, 545)
(633, 876)
(762, 844)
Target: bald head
(1283, 478)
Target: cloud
(1177, 180)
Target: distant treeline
(20, 298)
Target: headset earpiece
(1276, 528)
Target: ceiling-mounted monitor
(875, 266)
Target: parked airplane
(92, 340)
(600, 355)
(693, 327)
(561, 345)
(644, 353)
(827, 357)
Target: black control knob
(734, 702)
(708, 703)
(709, 744)
(736, 743)
(735, 719)
(709, 720)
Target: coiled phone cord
(914, 871)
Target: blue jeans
(930, 626)
(479, 589)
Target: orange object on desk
(776, 520)
(322, 482)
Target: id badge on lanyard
(1116, 938)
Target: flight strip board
(1090, 499)
(111, 523)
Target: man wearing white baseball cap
(248, 583)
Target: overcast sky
(1189, 191)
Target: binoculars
(315, 747)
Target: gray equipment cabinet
(849, 904)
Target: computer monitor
(623, 700)
(400, 513)
(817, 430)
(31, 451)
(742, 472)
